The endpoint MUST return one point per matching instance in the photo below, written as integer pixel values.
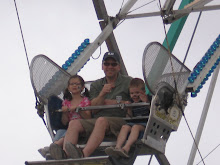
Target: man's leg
(73, 131)
(97, 136)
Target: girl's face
(75, 86)
(135, 93)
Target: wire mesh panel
(160, 66)
(164, 74)
(47, 78)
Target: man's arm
(100, 99)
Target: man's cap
(113, 55)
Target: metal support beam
(203, 116)
(113, 47)
(111, 43)
(100, 9)
(182, 12)
(127, 7)
(91, 48)
(89, 160)
(168, 7)
(162, 159)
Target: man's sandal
(72, 151)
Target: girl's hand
(72, 108)
(65, 108)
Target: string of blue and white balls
(202, 63)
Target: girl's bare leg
(60, 142)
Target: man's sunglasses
(112, 64)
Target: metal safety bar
(116, 106)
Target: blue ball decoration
(64, 67)
(203, 82)
(213, 67)
(77, 52)
(193, 94)
(71, 59)
(208, 55)
(74, 56)
(80, 48)
(205, 59)
(197, 90)
(213, 48)
(203, 62)
(83, 45)
(196, 71)
(200, 86)
(206, 78)
(67, 63)
(86, 41)
(191, 79)
(210, 51)
(211, 70)
(216, 43)
(208, 74)
(200, 66)
(194, 75)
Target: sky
(56, 28)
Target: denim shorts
(132, 124)
(60, 133)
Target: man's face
(135, 93)
(110, 67)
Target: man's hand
(106, 89)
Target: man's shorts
(115, 124)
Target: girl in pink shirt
(76, 95)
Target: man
(106, 122)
